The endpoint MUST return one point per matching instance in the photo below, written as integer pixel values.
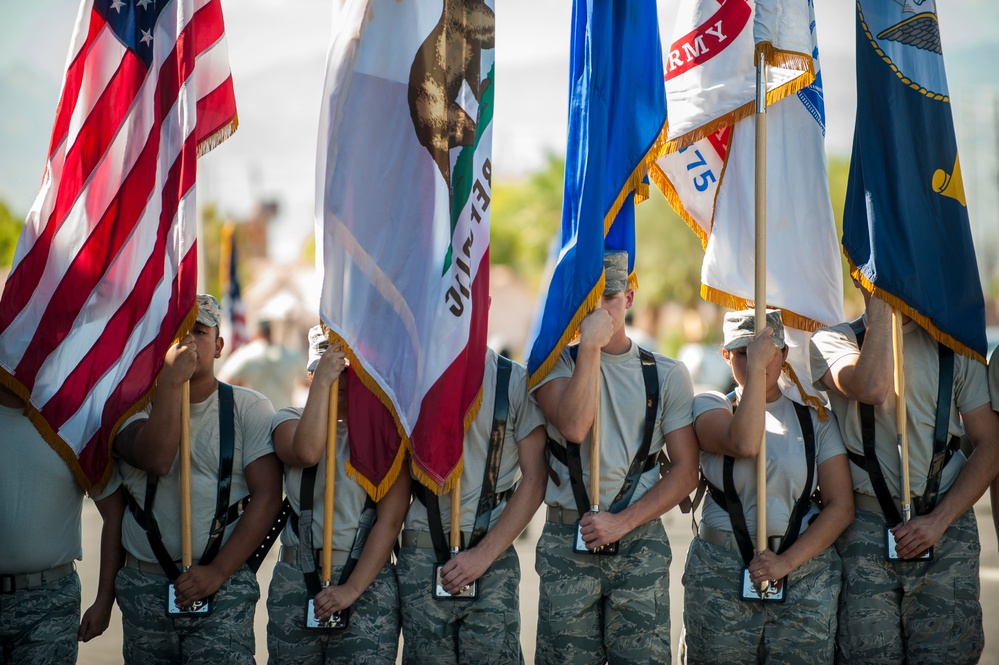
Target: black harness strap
(490, 477)
(489, 499)
(224, 513)
(227, 448)
(302, 524)
(570, 456)
(729, 500)
(943, 449)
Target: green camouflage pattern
(39, 625)
(482, 631)
(920, 613)
(597, 608)
(371, 638)
(720, 627)
(150, 637)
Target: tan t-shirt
(786, 470)
(252, 416)
(348, 497)
(830, 345)
(622, 422)
(523, 418)
(40, 501)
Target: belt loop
(7, 585)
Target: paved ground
(107, 648)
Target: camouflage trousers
(40, 624)
(597, 608)
(483, 631)
(150, 636)
(925, 612)
(720, 627)
(371, 637)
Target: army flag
(708, 175)
(105, 271)
(402, 220)
(905, 225)
(616, 113)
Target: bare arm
(569, 403)
(98, 616)
(869, 376)
(152, 444)
(740, 434)
(605, 527)
(473, 563)
(301, 443)
(263, 479)
(391, 513)
(836, 514)
(982, 425)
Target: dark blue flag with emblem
(617, 110)
(906, 231)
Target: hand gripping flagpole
(900, 412)
(760, 286)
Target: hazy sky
(278, 50)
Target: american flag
(105, 272)
(232, 299)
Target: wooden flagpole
(327, 558)
(186, 554)
(900, 412)
(760, 285)
(595, 449)
(455, 540)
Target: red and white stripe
(106, 268)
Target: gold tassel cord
(808, 398)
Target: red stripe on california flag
(442, 417)
(139, 377)
(109, 347)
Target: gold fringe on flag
(924, 321)
(375, 490)
(784, 59)
(216, 138)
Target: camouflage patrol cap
(318, 343)
(209, 313)
(740, 328)
(616, 272)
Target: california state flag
(402, 220)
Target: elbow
(574, 433)
(875, 389)
(873, 395)
(159, 465)
(309, 457)
(746, 449)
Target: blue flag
(617, 109)
(905, 229)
